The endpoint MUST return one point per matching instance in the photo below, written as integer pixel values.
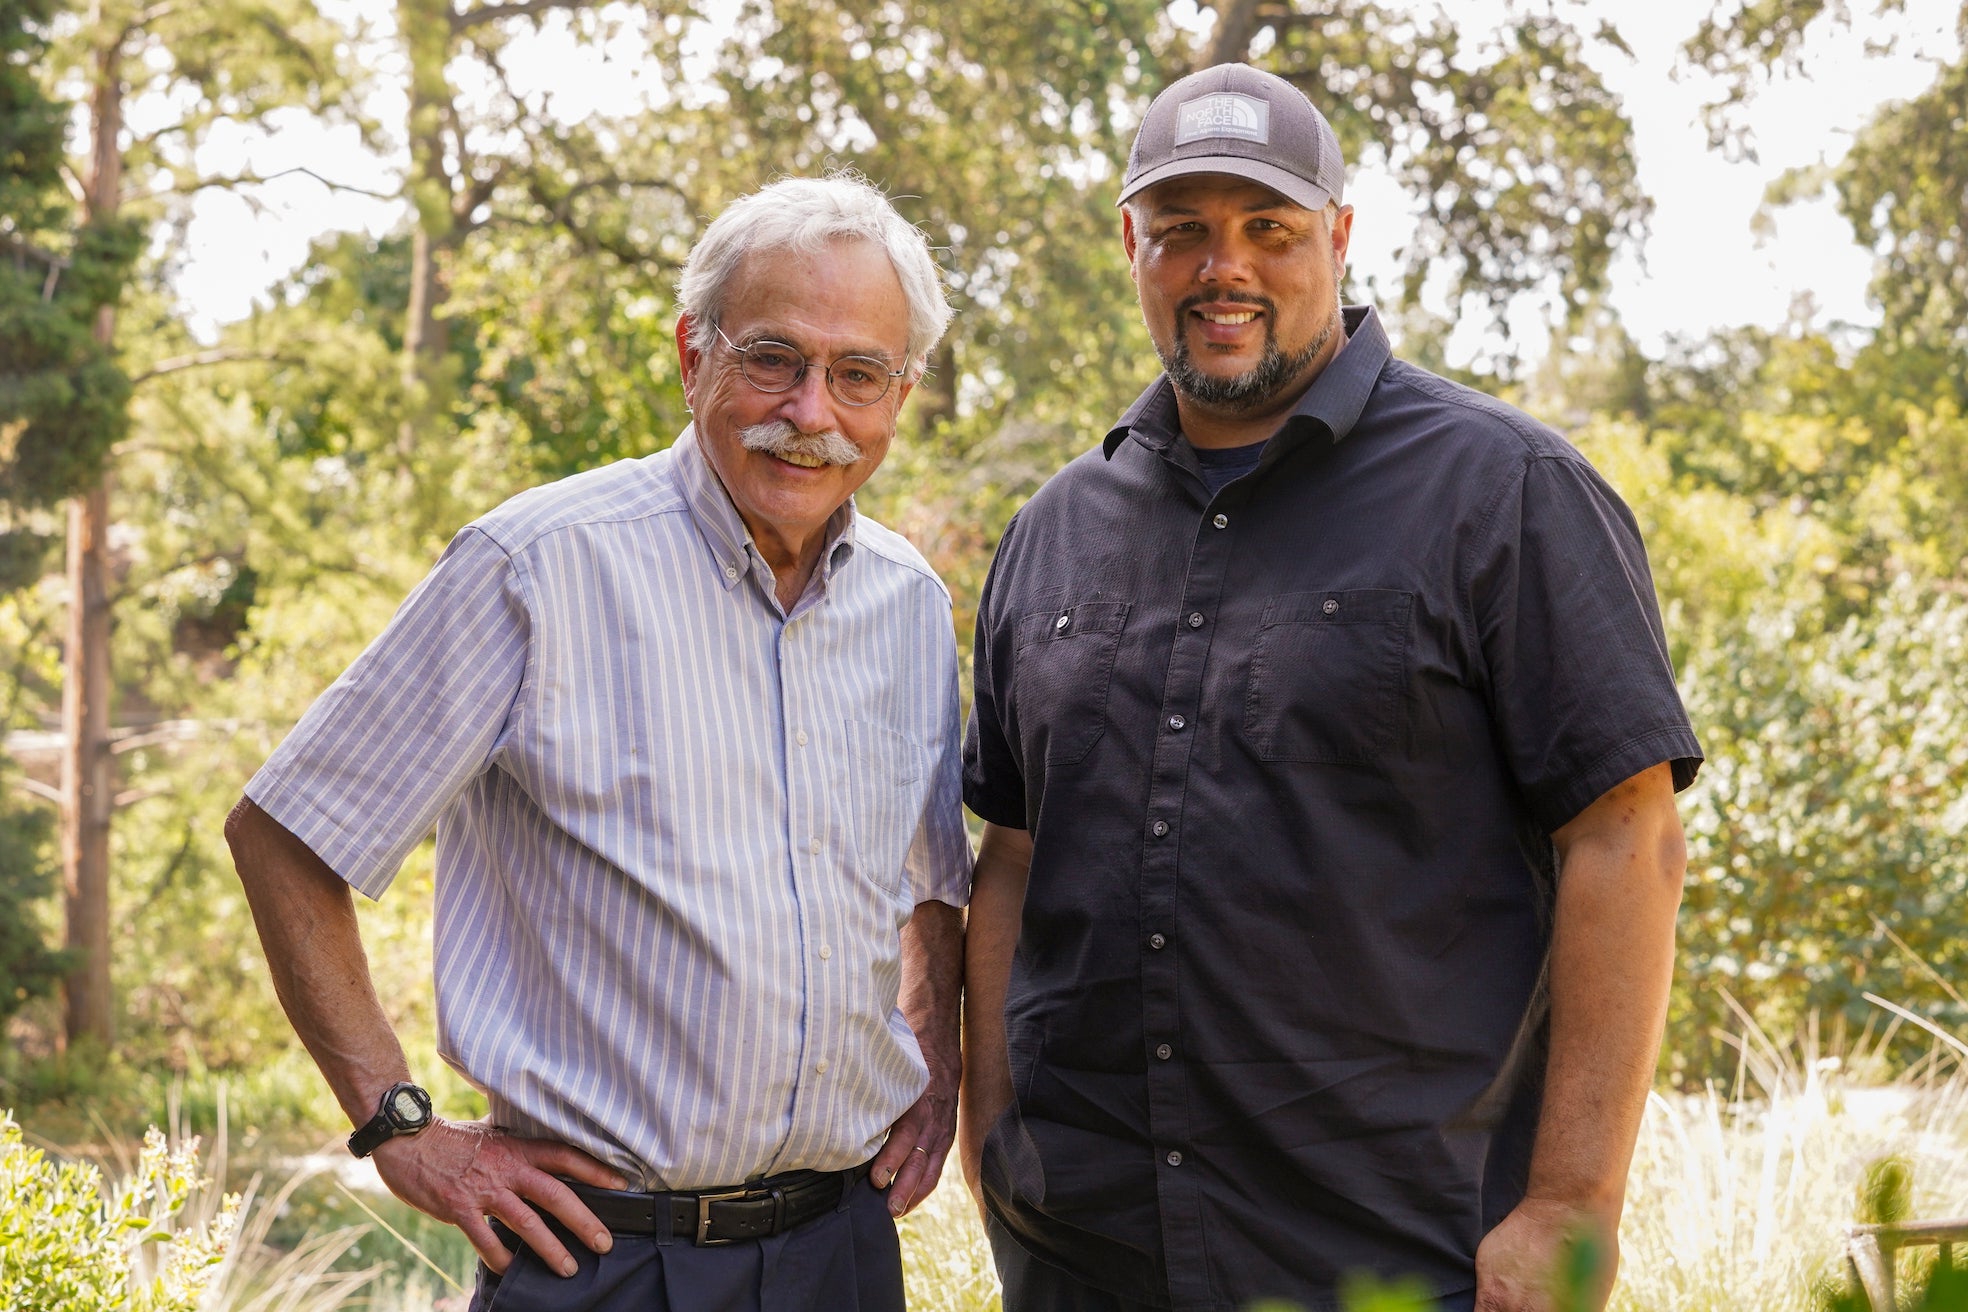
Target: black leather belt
(723, 1216)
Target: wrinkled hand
(911, 1161)
(1521, 1266)
(464, 1171)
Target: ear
(1128, 238)
(1342, 236)
(688, 356)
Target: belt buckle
(704, 1201)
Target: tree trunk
(426, 25)
(1236, 25)
(87, 787)
(87, 783)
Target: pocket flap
(898, 756)
(1062, 622)
(1355, 606)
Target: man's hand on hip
(465, 1171)
(1523, 1263)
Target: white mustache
(778, 437)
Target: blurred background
(290, 290)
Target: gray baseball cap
(1238, 120)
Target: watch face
(407, 1109)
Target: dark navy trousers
(846, 1261)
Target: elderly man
(686, 726)
(1327, 742)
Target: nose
(1226, 261)
(807, 404)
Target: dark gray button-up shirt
(1291, 756)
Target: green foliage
(61, 395)
(1830, 812)
(1886, 1192)
(28, 969)
(69, 1242)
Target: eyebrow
(865, 351)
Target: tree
(62, 401)
(221, 64)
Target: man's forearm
(306, 920)
(1612, 960)
(932, 985)
(1620, 865)
(997, 905)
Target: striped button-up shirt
(679, 830)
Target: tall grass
(946, 1261)
(1737, 1202)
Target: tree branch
(35, 788)
(218, 355)
(258, 179)
(521, 9)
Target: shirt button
(1164, 1052)
(1159, 829)
(820, 1067)
(1176, 723)
(1174, 1158)
(731, 571)
(1157, 942)
(1331, 606)
(1195, 619)
(814, 847)
(800, 737)
(1221, 521)
(826, 951)
(1059, 625)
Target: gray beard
(1257, 386)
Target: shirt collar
(1331, 404)
(724, 532)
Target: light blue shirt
(678, 830)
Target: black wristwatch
(405, 1109)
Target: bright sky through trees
(1705, 264)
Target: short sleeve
(993, 779)
(939, 863)
(1581, 687)
(380, 755)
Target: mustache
(778, 437)
(1264, 303)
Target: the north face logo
(1223, 114)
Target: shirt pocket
(885, 792)
(1327, 674)
(1061, 669)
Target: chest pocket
(1061, 669)
(890, 779)
(1327, 673)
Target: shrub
(68, 1243)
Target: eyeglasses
(855, 380)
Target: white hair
(808, 215)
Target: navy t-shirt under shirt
(1221, 465)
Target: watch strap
(385, 1124)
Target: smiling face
(842, 300)
(1239, 288)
